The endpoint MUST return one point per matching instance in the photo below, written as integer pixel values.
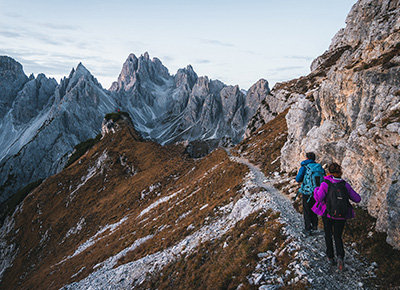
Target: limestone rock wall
(347, 110)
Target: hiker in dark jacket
(334, 225)
(310, 218)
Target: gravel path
(313, 262)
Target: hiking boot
(332, 261)
(340, 264)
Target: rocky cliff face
(44, 123)
(348, 110)
(12, 79)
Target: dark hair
(310, 155)
(334, 168)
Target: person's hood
(333, 179)
(307, 161)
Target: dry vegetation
(263, 148)
(132, 177)
(228, 262)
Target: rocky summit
(170, 108)
(43, 121)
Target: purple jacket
(320, 192)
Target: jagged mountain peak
(77, 77)
(82, 69)
(12, 79)
(186, 76)
(260, 84)
(136, 71)
(9, 64)
(78, 72)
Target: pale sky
(237, 42)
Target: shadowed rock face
(45, 122)
(347, 110)
(41, 121)
(12, 79)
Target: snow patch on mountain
(8, 251)
(92, 171)
(97, 237)
(112, 261)
(158, 202)
(75, 230)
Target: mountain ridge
(165, 108)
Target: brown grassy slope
(134, 175)
(263, 148)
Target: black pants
(334, 228)
(310, 218)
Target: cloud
(13, 15)
(28, 33)
(216, 42)
(252, 52)
(286, 68)
(10, 34)
(58, 26)
(59, 65)
(50, 25)
(300, 57)
(167, 58)
(40, 62)
(202, 61)
(46, 39)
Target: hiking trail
(314, 264)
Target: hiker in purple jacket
(334, 225)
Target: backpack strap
(308, 169)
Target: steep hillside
(136, 206)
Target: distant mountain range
(41, 121)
